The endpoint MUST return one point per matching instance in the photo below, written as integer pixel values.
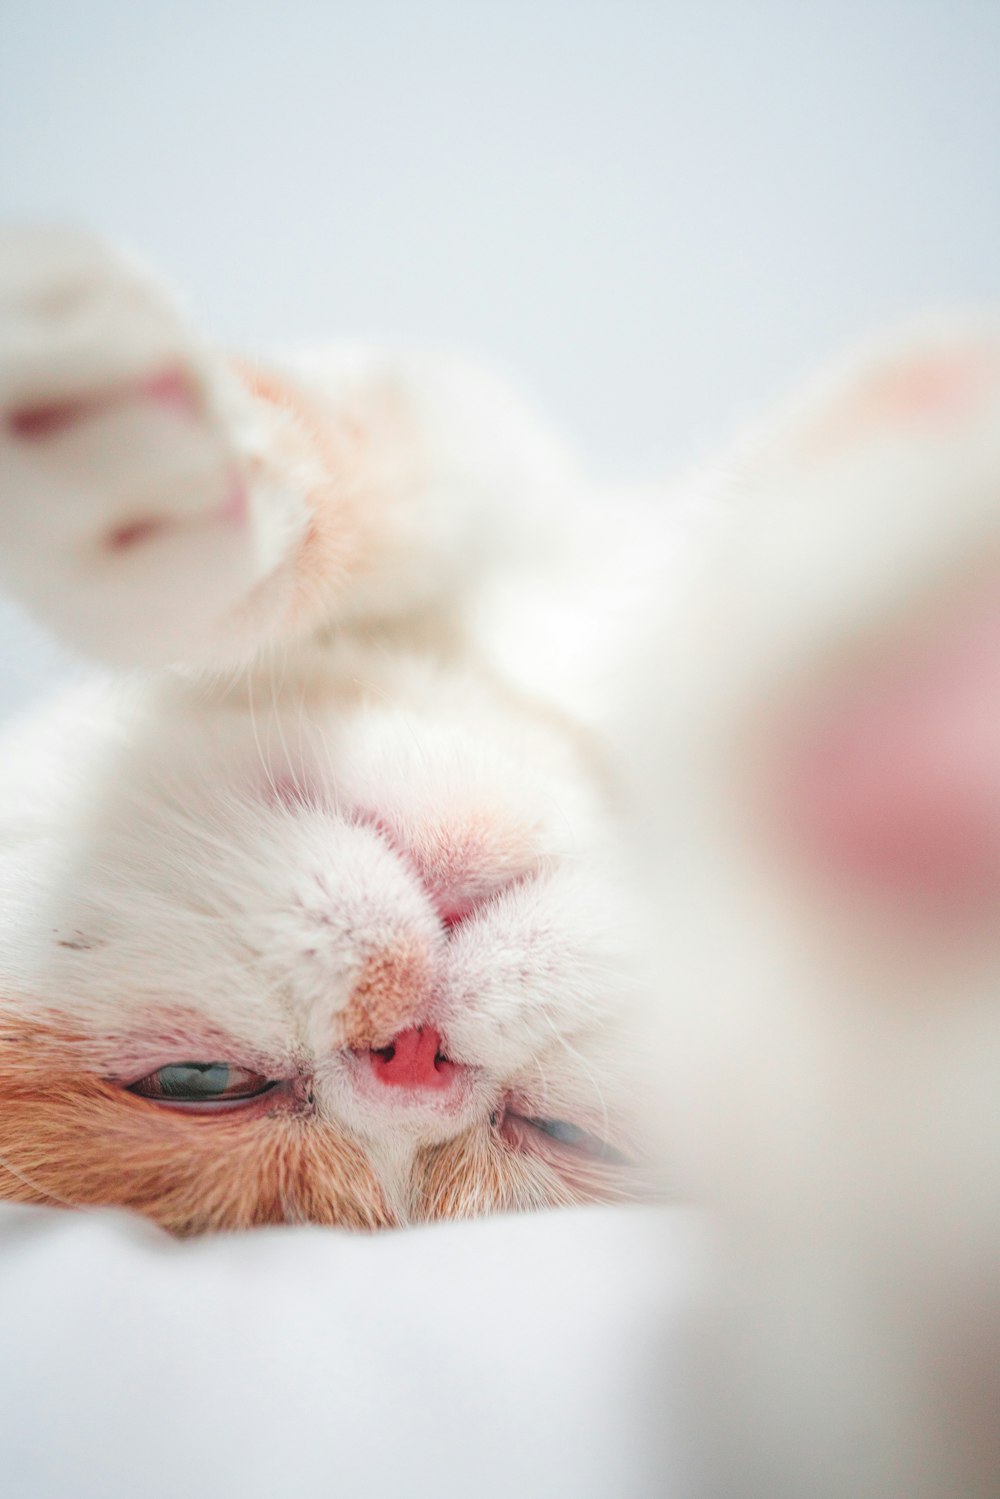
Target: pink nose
(413, 1059)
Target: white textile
(526, 1357)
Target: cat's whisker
(587, 1068)
(46, 1193)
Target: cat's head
(363, 961)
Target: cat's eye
(202, 1083)
(579, 1141)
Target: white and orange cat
(310, 909)
(321, 904)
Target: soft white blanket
(531, 1357)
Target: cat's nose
(413, 1059)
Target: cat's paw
(867, 624)
(124, 502)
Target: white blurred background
(660, 213)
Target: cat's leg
(832, 809)
(163, 504)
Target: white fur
(239, 833)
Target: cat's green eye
(201, 1082)
(580, 1141)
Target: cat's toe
(78, 318)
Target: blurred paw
(124, 506)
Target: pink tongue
(412, 1060)
(899, 787)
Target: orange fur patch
(71, 1138)
(479, 1174)
(392, 993)
(364, 451)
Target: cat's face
(363, 963)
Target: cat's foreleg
(161, 503)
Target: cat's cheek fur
(72, 1138)
(480, 1173)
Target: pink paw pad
(171, 389)
(233, 511)
(122, 538)
(897, 785)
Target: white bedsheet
(529, 1357)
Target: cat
(820, 769)
(313, 902)
(419, 766)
